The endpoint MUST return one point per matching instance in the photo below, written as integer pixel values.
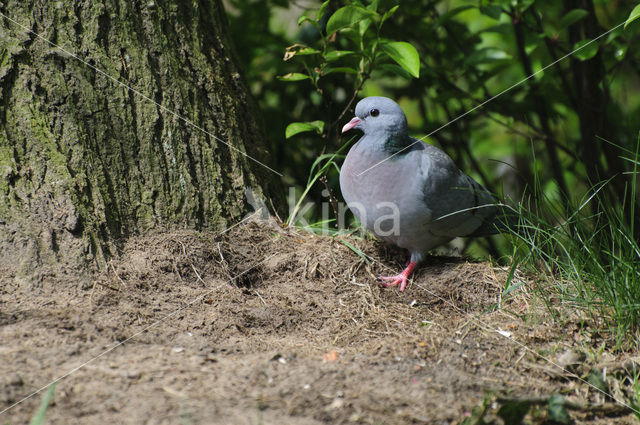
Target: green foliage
(477, 414)
(635, 14)
(350, 43)
(590, 256)
(634, 399)
(513, 412)
(293, 76)
(463, 53)
(404, 54)
(320, 167)
(301, 127)
(341, 45)
(551, 409)
(585, 49)
(346, 17)
(572, 17)
(556, 412)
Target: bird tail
(504, 219)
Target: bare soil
(265, 325)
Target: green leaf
(395, 69)
(337, 54)
(302, 19)
(572, 17)
(389, 13)
(486, 55)
(308, 51)
(363, 26)
(346, 16)
(453, 12)
(635, 14)
(299, 50)
(404, 54)
(352, 34)
(344, 69)
(492, 10)
(556, 410)
(322, 9)
(513, 412)
(301, 127)
(293, 76)
(585, 49)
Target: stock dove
(407, 192)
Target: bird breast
(387, 199)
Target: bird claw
(399, 279)
(394, 281)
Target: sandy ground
(263, 325)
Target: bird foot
(394, 280)
(400, 279)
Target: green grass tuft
(590, 254)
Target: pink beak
(348, 126)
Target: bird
(408, 192)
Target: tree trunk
(85, 161)
(601, 160)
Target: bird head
(379, 115)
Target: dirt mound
(269, 325)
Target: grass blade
(38, 418)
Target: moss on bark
(84, 161)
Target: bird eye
(374, 112)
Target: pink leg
(399, 279)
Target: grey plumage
(416, 184)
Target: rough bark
(85, 162)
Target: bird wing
(460, 206)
